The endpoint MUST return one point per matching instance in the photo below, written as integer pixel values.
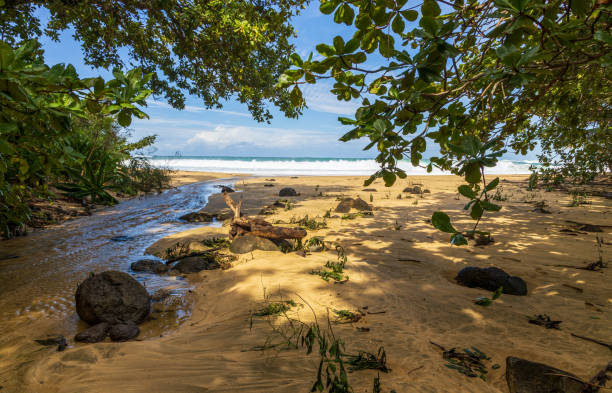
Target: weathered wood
(257, 227)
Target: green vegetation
(309, 223)
(59, 129)
(480, 77)
(346, 316)
(485, 301)
(216, 242)
(335, 270)
(275, 308)
(352, 216)
(470, 362)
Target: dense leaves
(213, 49)
(55, 125)
(508, 73)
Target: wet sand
(397, 263)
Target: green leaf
(603, 36)
(380, 125)
(580, 7)
(498, 292)
(486, 205)
(410, 15)
(467, 191)
(441, 221)
(389, 178)
(398, 24)
(492, 184)
(124, 118)
(472, 173)
(430, 8)
(326, 50)
(6, 147)
(327, 7)
(338, 44)
(477, 210)
(458, 240)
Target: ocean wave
(270, 166)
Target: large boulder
(413, 190)
(149, 266)
(287, 191)
(123, 332)
(491, 278)
(196, 264)
(248, 243)
(524, 376)
(94, 334)
(113, 297)
(361, 205)
(198, 216)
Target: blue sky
(231, 131)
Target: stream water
(39, 272)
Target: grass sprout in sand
(335, 270)
(275, 308)
(309, 223)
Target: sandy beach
(401, 274)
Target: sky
(230, 131)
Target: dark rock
(123, 332)
(361, 205)
(344, 206)
(369, 189)
(60, 341)
(484, 240)
(590, 228)
(287, 191)
(196, 264)
(122, 238)
(94, 334)
(244, 244)
(149, 265)
(491, 278)
(413, 190)
(541, 210)
(426, 191)
(524, 376)
(113, 297)
(226, 189)
(197, 217)
(268, 185)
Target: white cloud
(318, 98)
(195, 109)
(223, 136)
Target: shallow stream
(39, 273)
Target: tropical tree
(466, 76)
(213, 49)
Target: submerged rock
(491, 278)
(197, 217)
(60, 341)
(123, 332)
(287, 191)
(113, 297)
(248, 243)
(225, 189)
(196, 264)
(524, 376)
(94, 334)
(122, 238)
(149, 265)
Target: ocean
(277, 166)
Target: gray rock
(94, 334)
(413, 190)
(149, 265)
(287, 191)
(524, 376)
(113, 297)
(197, 217)
(244, 244)
(196, 264)
(491, 278)
(123, 332)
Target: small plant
(369, 361)
(397, 226)
(315, 242)
(309, 223)
(327, 214)
(399, 196)
(275, 308)
(352, 216)
(335, 270)
(288, 205)
(469, 363)
(544, 320)
(579, 199)
(499, 196)
(371, 198)
(533, 179)
(485, 301)
(415, 202)
(346, 316)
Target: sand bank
(401, 274)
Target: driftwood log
(243, 225)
